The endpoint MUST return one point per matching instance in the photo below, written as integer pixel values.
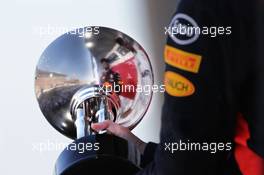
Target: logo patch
(177, 85)
(184, 29)
(182, 60)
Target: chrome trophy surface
(74, 69)
(87, 76)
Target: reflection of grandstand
(45, 81)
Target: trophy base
(96, 155)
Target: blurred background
(23, 128)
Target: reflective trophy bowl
(92, 74)
(87, 58)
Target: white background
(21, 122)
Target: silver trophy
(87, 76)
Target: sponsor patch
(177, 85)
(182, 60)
(185, 29)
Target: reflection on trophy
(84, 78)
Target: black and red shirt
(214, 82)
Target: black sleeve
(196, 110)
(148, 155)
(253, 91)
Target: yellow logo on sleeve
(177, 85)
(182, 60)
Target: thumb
(100, 126)
(112, 128)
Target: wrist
(141, 146)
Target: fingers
(107, 125)
(100, 126)
(112, 128)
(119, 131)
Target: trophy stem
(80, 123)
(92, 110)
(93, 105)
